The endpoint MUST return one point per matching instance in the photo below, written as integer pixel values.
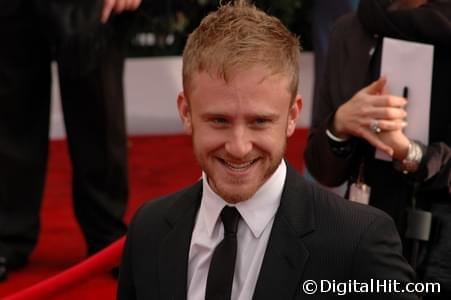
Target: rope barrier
(101, 262)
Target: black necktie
(222, 266)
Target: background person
(90, 57)
(341, 143)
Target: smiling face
(239, 128)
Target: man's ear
(184, 112)
(293, 115)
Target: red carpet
(158, 165)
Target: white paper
(409, 64)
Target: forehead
(253, 85)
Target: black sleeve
(430, 23)
(435, 168)
(329, 162)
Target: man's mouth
(238, 167)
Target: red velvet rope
(101, 262)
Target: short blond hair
(237, 36)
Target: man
(239, 104)
(90, 58)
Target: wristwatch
(412, 161)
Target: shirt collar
(257, 211)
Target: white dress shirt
(253, 233)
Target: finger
(120, 6)
(135, 4)
(385, 89)
(376, 87)
(106, 11)
(391, 125)
(388, 100)
(127, 4)
(376, 142)
(132, 4)
(387, 113)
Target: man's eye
(261, 121)
(219, 121)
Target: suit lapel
(286, 253)
(174, 250)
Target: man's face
(239, 129)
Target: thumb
(377, 87)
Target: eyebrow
(267, 116)
(272, 116)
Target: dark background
(160, 28)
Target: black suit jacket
(316, 235)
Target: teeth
(241, 166)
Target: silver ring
(374, 126)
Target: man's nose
(239, 144)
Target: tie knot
(230, 218)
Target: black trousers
(93, 107)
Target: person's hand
(354, 117)
(117, 6)
(396, 140)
